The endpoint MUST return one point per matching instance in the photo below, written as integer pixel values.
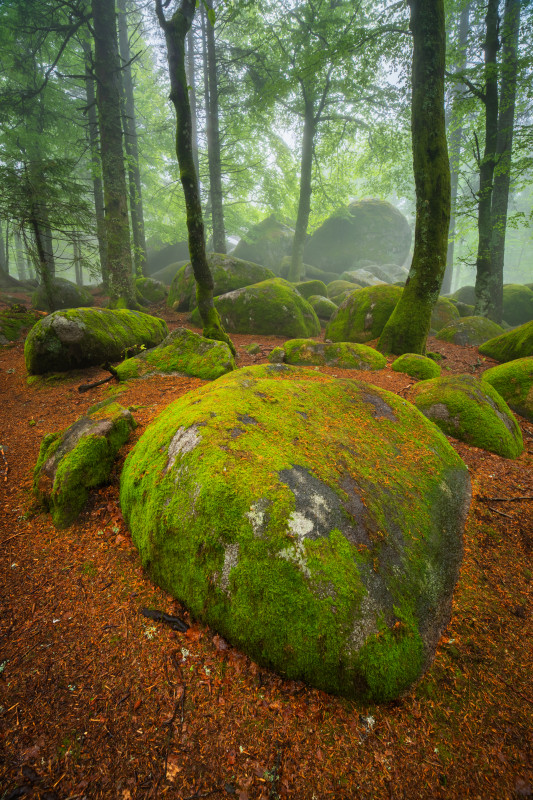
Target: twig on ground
(500, 513)
(505, 499)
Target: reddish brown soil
(96, 701)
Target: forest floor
(98, 702)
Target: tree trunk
(19, 257)
(213, 146)
(107, 72)
(191, 81)
(502, 175)
(96, 166)
(304, 202)
(175, 32)
(408, 326)
(78, 270)
(4, 267)
(454, 145)
(131, 143)
(485, 283)
(42, 267)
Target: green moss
(517, 304)
(420, 367)
(323, 306)
(65, 295)
(308, 288)
(466, 294)
(344, 355)
(277, 355)
(363, 314)
(517, 343)
(443, 313)
(14, 321)
(152, 291)
(514, 382)
(81, 337)
(232, 540)
(182, 352)
(471, 411)
(337, 287)
(469, 331)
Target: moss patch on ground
(471, 411)
(420, 367)
(514, 382)
(315, 523)
(183, 352)
(469, 331)
(517, 343)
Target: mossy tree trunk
(485, 279)
(131, 144)
(191, 82)
(213, 144)
(502, 176)
(107, 73)
(408, 326)
(19, 257)
(176, 29)
(304, 203)
(96, 165)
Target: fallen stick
(86, 386)
(505, 499)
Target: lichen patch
(183, 442)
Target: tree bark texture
(408, 327)
(19, 257)
(107, 72)
(213, 146)
(131, 144)
(96, 166)
(191, 80)
(176, 29)
(485, 280)
(304, 203)
(504, 147)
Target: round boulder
(228, 273)
(152, 291)
(466, 294)
(471, 411)
(514, 344)
(514, 382)
(444, 312)
(308, 288)
(517, 304)
(267, 243)
(371, 230)
(323, 306)
(469, 331)
(65, 294)
(363, 315)
(285, 508)
(343, 355)
(417, 366)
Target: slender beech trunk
(19, 257)
(213, 146)
(455, 138)
(502, 175)
(304, 203)
(96, 166)
(485, 283)
(107, 72)
(175, 30)
(408, 326)
(191, 81)
(205, 72)
(78, 270)
(4, 268)
(41, 261)
(131, 143)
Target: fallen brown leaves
(98, 701)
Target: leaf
(211, 16)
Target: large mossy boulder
(416, 366)
(363, 314)
(309, 273)
(308, 288)
(285, 508)
(267, 243)
(343, 355)
(466, 294)
(152, 291)
(14, 321)
(79, 458)
(471, 411)
(162, 256)
(228, 273)
(444, 312)
(182, 352)
(517, 304)
(82, 337)
(514, 344)
(367, 229)
(469, 331)
(65, 294)
(323, 306)
(514, 382)
(268, 308)
(362, 277)
(167, 274)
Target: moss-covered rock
(362, 277)
(167, 274)
(81, 337)
(266, 243)
(340, 298)
(15, 320)
(363, 315)
(514, 382)
(464, 309)
(517, 304)
(367, 229)
(471, 411)
(228, 273)
(277, 355)
(272, 307)
(469, 331)
(153, 291)
(79, 458)
(65, 295)
(182, 352)
(417, 366)
(301, 528)
(162, 255)
(308, 288)
(309, 272)
(517, 343)
(323, 306)
(337, 287)
(444, 312)
(344, 355)
(466, 294)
